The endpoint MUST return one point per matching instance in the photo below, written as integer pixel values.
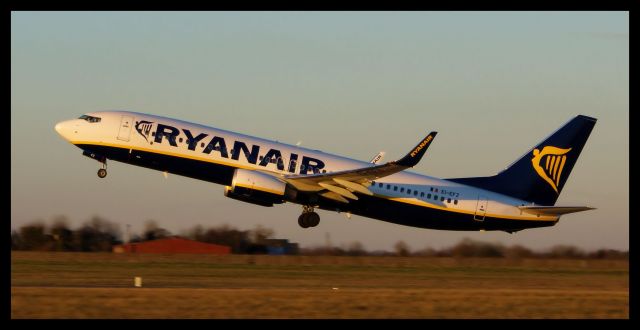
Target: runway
(101, 285)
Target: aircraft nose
(59, 127)
(64, 128)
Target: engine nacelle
(256, 188)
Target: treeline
(100, 235)
(471, 248)
(97, 234)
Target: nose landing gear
(100, 158)
(308, 218)
(103, 171)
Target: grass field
(101, 285)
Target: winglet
(413, 157)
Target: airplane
(265, 172)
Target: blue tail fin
(539, 175)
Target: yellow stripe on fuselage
(418, 202)
(411, 201)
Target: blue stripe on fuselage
(368, 206)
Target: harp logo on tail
(550, 167)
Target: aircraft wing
(341, 184)
(553, 210)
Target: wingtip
(415, 155)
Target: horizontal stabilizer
(553, 210)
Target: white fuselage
(136, 131)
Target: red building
(172, 245)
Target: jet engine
(256, 188)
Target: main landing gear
(308, 218)
(103, 171)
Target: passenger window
(395, 188)
(431, 189)
(448, 200)
(429, 196)
(422, 194)
(202, 144)
(153, 133)
(442, 199)
(415, 193)
(401, 189)
(388, 186)
(380, 184)
(435, 197)
(455, 202)
(180, 140)
(409, 191)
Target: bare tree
(97, 234)
(565, 251)
(402, 249)
(33, 236)
(153, 231)
(356, 249)
(470, 248)
(259, 234)
(61, 234)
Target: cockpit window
(90, 118)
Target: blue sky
(351, 83)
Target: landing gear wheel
(302, 220)
(308, 218)
(313, 219)
(102, 173)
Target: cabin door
(481, 208)
(125, 128)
